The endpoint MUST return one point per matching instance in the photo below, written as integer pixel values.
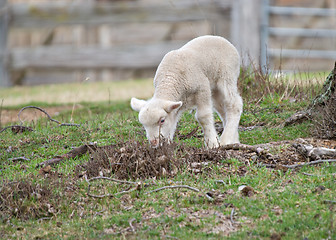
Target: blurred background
(65, 41)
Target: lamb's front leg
(204, 116)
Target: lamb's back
(188, 68)
(214, 54)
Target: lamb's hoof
(224, 142)
(212, 145)
(229, 143)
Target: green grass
(287, 204)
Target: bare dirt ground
(68, 95)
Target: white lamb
(202, 74)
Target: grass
(285, 204)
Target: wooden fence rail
(67, 57)
(55, 13)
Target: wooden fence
(169, 25)
(67, 41)
(312, 27)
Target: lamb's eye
(162, 120)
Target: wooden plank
(302, 32)
(4, 21)
(305, 11)
(302, 53)
(69, 57)
(55, 13)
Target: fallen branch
(17, 129)
(300, 165)
(311, 163)
(49, 117)
(72, 154)
(315, 153)
(257, 149)
(21, 128)
(298, 117)
(110, 194)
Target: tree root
(320, 101)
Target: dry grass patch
(77, 92)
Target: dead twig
(232, 221)
(257, 149)
(297, 118)
(23, 158)
(173, 186)
(240, 146)
(72, 154)
(313, 175)
(231, 216)
(131, 225)
(21, 128)
(219, 181)
(181, 186)
(44, 218)
(329, 201)
(112, 179)
(17, 129)
(300, 165)
(310, 163)
(137, 187)
(49, 117)
(188, 135)
(100, 213)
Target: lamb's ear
(137, 104)
(170, 106)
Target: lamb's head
(158, 116)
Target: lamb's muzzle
(154, 142)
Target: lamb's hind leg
(204, 116)
(229, 106)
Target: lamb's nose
(154, 142)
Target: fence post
(264, 35)
(4, 22)
(245, 30)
